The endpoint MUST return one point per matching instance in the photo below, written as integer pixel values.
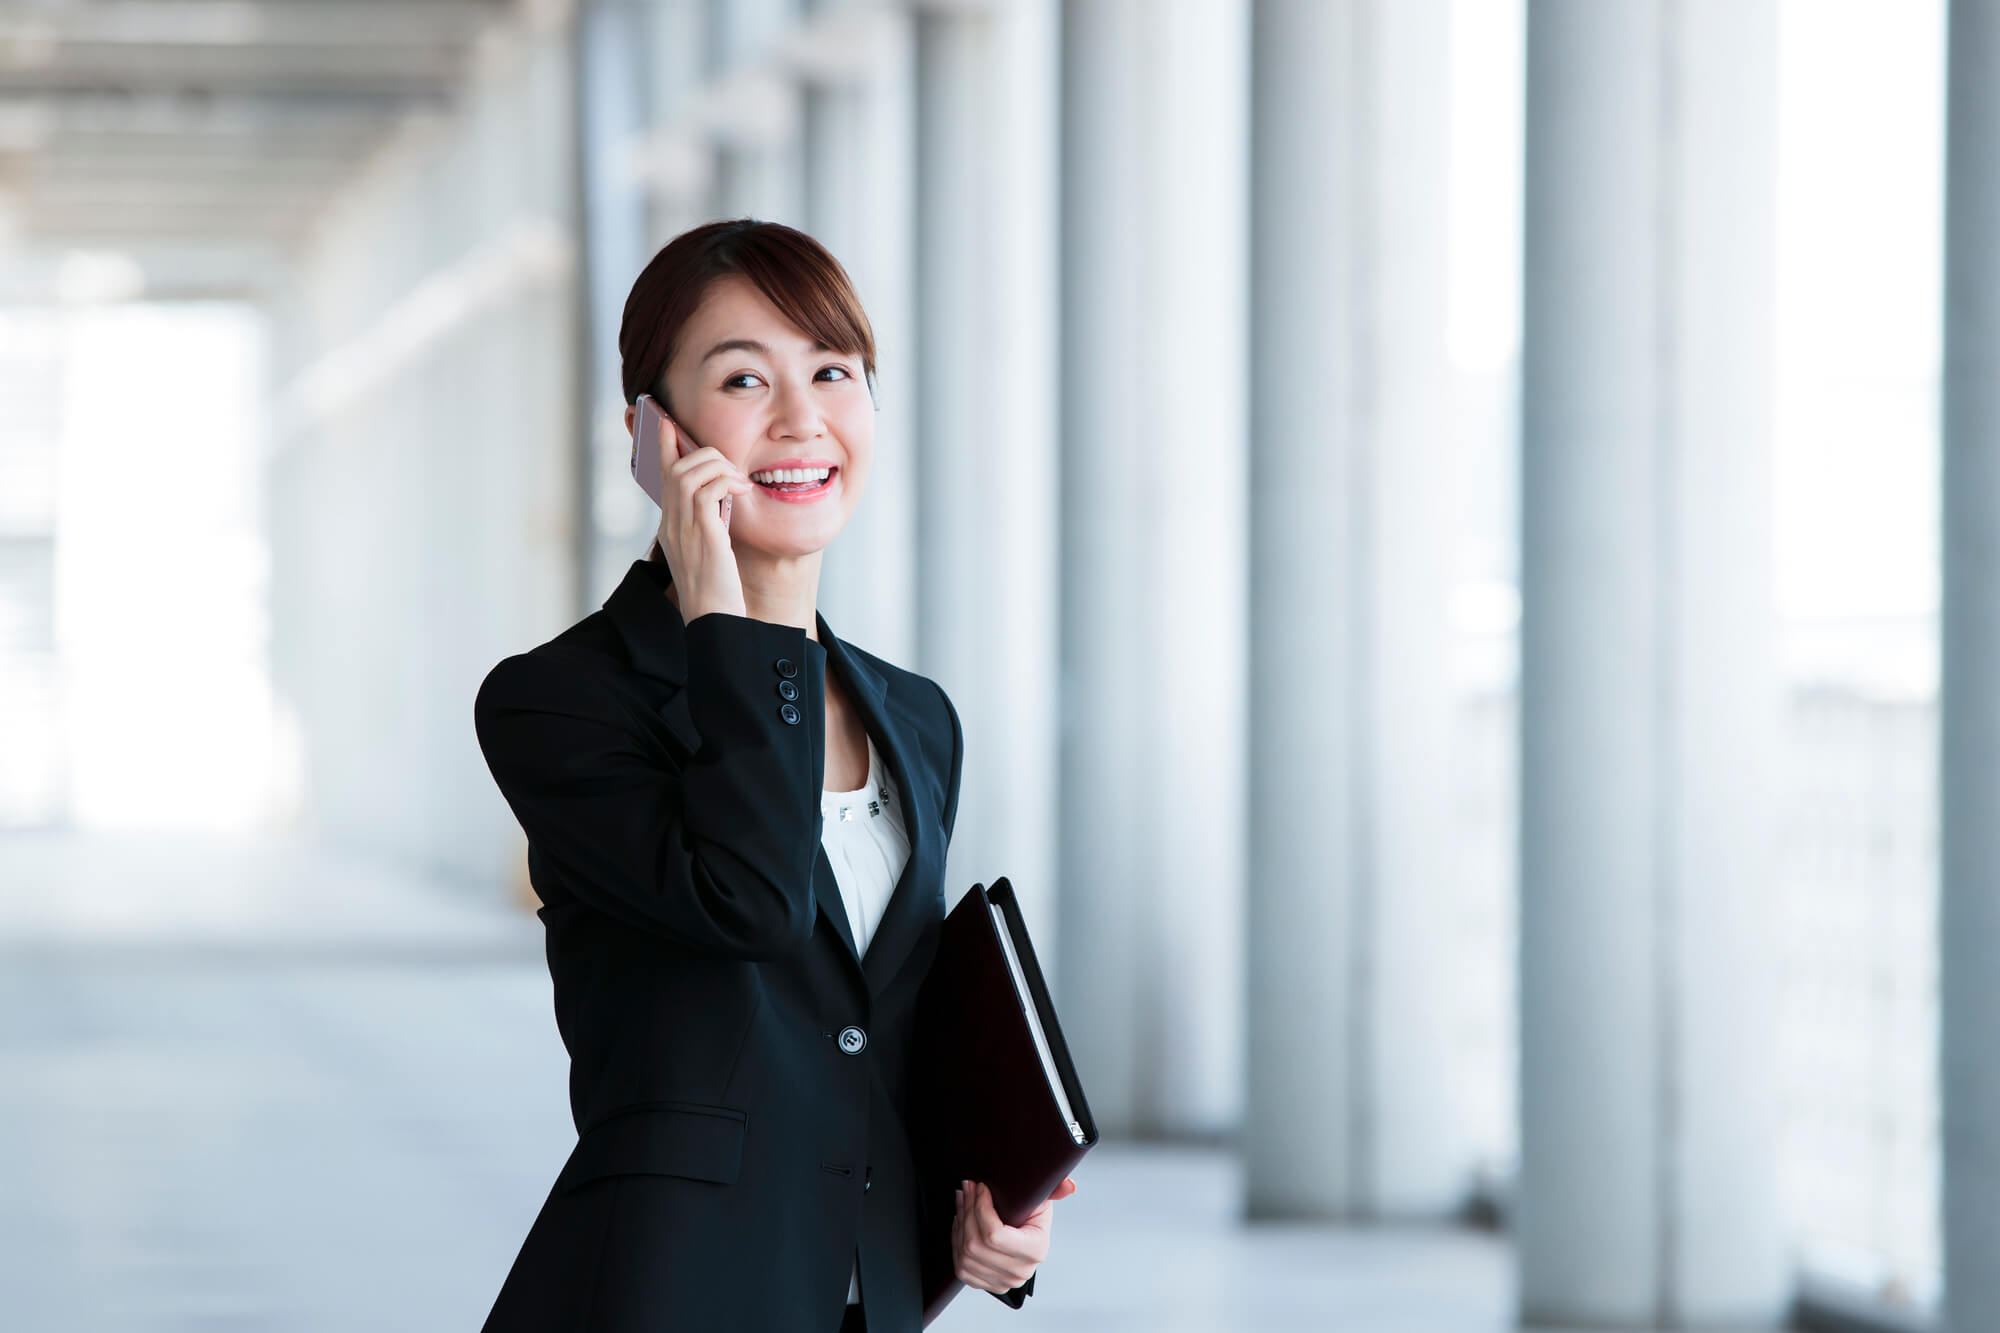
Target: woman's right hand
(693, 535)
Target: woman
(737, 827)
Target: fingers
(991, 1254)
(968, 1268)
(703, 488)
(706, 471)
(709, 495)
(970, 1265)
(702, 468)
(699, 460)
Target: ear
(630, 412)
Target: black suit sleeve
(718, 856)
(1015, 1296)
(957, 764)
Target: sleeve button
(786, 667)
(790, 713)
(787, 690)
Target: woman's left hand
(989, 1254)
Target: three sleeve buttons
(786, 669)
(853, 1040)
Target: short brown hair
(795, 272)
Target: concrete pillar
(1352, 1001)
(1154, 470)
(610, 112)
(674, 159)
(1969, 698)
(988, 476)
(754, 111)
(859, 141)
(1647, 1191)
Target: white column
(989, 497)
(611, 110)
(1155, 127)
(1352, 994)
(1969, 700)
(859, 147)
(1647, 1193)
(753, 110)
(673, 159)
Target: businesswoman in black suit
(737, 1069)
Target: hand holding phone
(694, 494)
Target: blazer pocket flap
(695, 1140)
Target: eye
(844, 371)
(741, 375)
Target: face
(759, 406)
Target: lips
(796, 494)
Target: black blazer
(737, 1073)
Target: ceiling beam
(39, 28)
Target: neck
(783, 590)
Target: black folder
(993, 1096)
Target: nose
(795, 415)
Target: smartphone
(647, 467)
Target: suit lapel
(896, 736)
(826, 891)
(656, 639)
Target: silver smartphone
(647, 468)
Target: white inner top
(867, 847)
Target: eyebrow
(749, 345)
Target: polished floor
(243, 1090)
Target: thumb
(1064, 1190)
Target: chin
(796, 534)
(789, 545)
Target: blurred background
(1459, 531)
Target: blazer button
(868, 1180)
(789, 713)
(786, 667)
(787, 690)
(852, 1039)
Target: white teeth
(792, 474)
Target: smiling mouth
(799, 490)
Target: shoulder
(926, 704)
(585, 665)
(916, 693)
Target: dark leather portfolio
(993, 1096)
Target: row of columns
(1235, 231)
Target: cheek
(729, 428)
(860, 458)
(853, 423)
